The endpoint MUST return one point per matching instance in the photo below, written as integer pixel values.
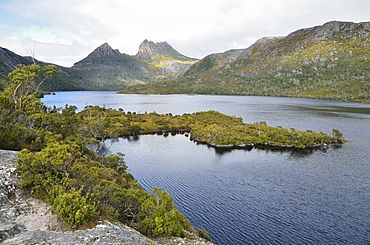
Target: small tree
(161, 216)
(26, 81)
(337, 134)
(74, 208)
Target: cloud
(66, 31)
(244, 22)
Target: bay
(254, 196)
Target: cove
(254, 196)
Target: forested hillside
(327, 62)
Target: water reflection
(104, 148)
(297, 153)
(331, 110)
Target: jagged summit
(149, 50)
(104, 50)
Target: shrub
(75, 209)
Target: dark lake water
(254, 196)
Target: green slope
(327, 62)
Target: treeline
(56, 166)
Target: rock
(9, 229)
(103, 233)
(9, 202)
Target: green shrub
(75, 209)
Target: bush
(75, 209)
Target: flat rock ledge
(26, 220)
(103, 233)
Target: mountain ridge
(65, 80)
(107, 69)
(329, 61)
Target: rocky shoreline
(26, 220)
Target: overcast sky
(65, 31)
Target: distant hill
(330, 61)
(8, 60)
(66, 80)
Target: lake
(254, 196)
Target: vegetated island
(209, 127)
(56, 166)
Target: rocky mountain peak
(105, 50)
(96, 56)
(149, 50)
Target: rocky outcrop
(105, 50)
(26, 220)
(334, 29)
(10, 205)
(103, 233)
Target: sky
(65, 31)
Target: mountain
(98, 55)
(108, 69)
(168, 60)
(149, 50)
(330, 61)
